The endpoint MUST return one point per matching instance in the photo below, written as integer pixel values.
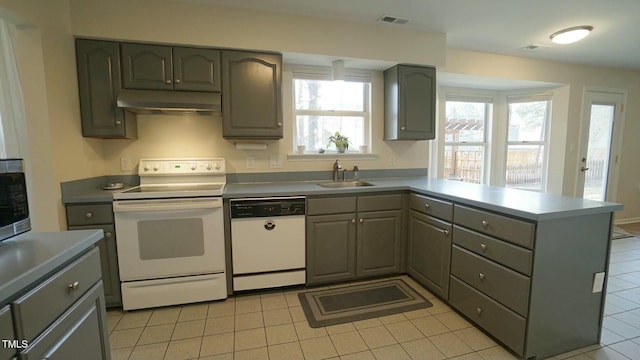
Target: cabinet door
(80, 333)
(252, 99)
(108, 263)
(416, 115)
(98, 83)
(196, 69)
(331, 248)
(429, 254)
(378, 243)
(147, 67)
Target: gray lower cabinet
(6, 333)
(429, 253)
(410, 103)
(429, 242)
(99, 82)
(353, 237)
(252, 95)
(529, 283)
(331, 248)
(100, 216)
(63, 316)
(162, 67)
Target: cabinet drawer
(502, 284)
(514, 257)
(6, 333)
(510, 229)
(504, 324)
(89, 214)
(331, 205)
(431, 206)
(379, 202)
(41, 306)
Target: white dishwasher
(267, 242)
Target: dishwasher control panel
(267, 207)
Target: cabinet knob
(118, 122)
(361, 221)
(479, 310)
(426, 206)
(88, 215)
(402, 128)
(73, 286)
(279, 124)
(481, 276)
(177, 81)
(483, 247)
(168, 81)
(353, 221)
(108, 234)
(485, 223)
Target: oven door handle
(160, 205)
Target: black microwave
(14, 208)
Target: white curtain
(12, 118)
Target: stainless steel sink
(343, 184)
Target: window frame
(486, 143)
(548, 97)
(324, 73)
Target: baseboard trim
(626, 221)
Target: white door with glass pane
(598, 158)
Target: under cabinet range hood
(169, 102)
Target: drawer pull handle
(74, 286)
(483, 247)
(479, 310)
(481, 276)
(88, 215)
(444, 231)
(426, 206)
(485, 223)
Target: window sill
(332, 155)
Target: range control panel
(267, 207)
(181, 166)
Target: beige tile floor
(271, 325)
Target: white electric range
(170, 233)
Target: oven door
(169, 237)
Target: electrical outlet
(125, 163)
(251, 162)
(392, 161)
(598, 282)
(275, 161)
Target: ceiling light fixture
(337, 70)
(571, 35)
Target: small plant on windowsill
(341, 142)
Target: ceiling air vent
(392, 19)
(532, 47)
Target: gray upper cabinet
(160, 67)
(410, 103)
(98, 65)
(251, 95)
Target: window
(465, 139)
(323, 107)
(527, 125)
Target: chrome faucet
(336, 169)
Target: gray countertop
(28, 257)
(525, 204)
